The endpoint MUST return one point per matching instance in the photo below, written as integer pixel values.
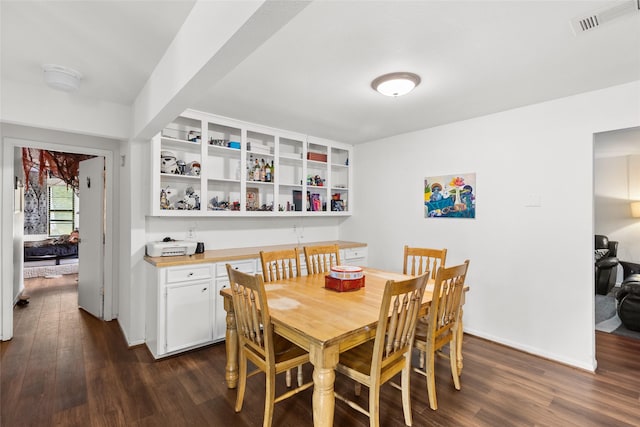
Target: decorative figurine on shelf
(194, 168)
(164, 202)
(182, 167)
(193, 136)
(170, 194)
(168, 163)
(191, 199)
(318, 182)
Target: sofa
(606, 264)
(629, 302)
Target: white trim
(6, 246)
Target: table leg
(458, 343)
(324, 361)
(231, 346)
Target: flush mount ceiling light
(62, 78)
(396, 84)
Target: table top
(304, 306)
(232, 254)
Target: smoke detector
(62, 78)
(603, 16)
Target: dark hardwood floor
(65, 368)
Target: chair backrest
(419, 260)
(252, 313)
(397, 321)
(278, 265)
(445, 306)
(320, 259)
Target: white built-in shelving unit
(311, 176)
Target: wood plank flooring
(65, 368)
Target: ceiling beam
(214, 39)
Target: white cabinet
(207, 165)
(179, 309)
(184, 308)
(354, 256)
(189, 315)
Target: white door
(91, 227)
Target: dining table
(325, 323)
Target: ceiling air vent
(600, 17)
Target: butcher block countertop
(232, 254)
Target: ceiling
(313, 75)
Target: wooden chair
(277, 265)
(441, 325)
(320, 259)
(269, 352)
(419, 260)
(377, 361)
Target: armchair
(629, 302)
(606, 264)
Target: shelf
(233, 181)
(291, 157)
(223, 179)
(178, 176)
(250, 183)
(317, 163)
(221, 149)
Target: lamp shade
(635, 209)
(396, 84)
(62, 78)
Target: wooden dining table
(323, 322)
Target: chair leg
(287, 378)
(431, 382)
(406, 391)
(374, 405)
(454, 364)
(269, 398)
(300, 378)
(357, 388)
(421, 360)
(242, 380)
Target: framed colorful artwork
(450, 196)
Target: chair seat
(358, 358)
(291, 353)
(286, 353)
(358, 361)
(422, 330)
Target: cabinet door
(220, 324)
(189, 315)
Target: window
(62, 203)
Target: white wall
(612, 214)
(531, 271)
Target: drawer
(245, 266)
(352, 253)
(190, 272)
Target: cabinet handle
(204, 289)
(190, 274)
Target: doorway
(12, 248)
(616, 184)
